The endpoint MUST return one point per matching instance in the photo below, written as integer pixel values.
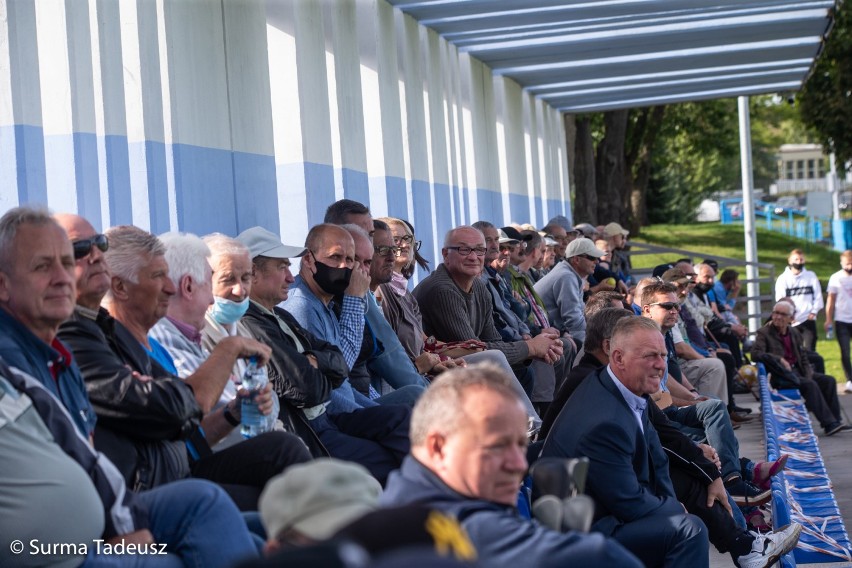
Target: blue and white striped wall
(217, 115)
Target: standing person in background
(802, 286)
(838, 311)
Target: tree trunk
(642, 169)
(610, 168)
(585, 196)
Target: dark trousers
(375, 437)
(809, 334)
(244, 468)
(733, 344)
(820, 395)
(730, 373)
(843, 332)
(662, 540)
(724, 534)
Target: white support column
(748, 214)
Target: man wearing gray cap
(561, 289)
(616, 236)
(310, 502)
(304, 369)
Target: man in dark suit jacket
(606, 420)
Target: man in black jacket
(148, 416)
(304, 369)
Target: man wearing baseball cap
(562, 288)
(305, 369)
(616, 235)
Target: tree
(825, 101)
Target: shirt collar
(636, 403)
(186, 330)
(86, 312)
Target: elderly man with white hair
(180, 333)
(149, 417)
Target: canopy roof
(582, 56)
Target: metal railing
(792, 222)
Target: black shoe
(834, 428)
(744, 493)
(739, 409)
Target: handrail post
(748, 213)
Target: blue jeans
(709, 419)
(198, 523)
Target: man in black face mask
(308, 370)
(329, 275)
(803, 288)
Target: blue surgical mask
(227, 311)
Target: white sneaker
(768, 548)
(848, 387)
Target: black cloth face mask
(333, 281)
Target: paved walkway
(836, 453)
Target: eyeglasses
(509, 247)
(465, 251)
(408, 239)
(589, 257)
(668, 306)
(83, 247)
(785, 314)
(385, 250)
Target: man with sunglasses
(561, 289)
(701, 416)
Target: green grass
(729, 241)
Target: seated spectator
(562, 289)
(779, 347)
(403, 312)
(606, 420)
(304, 369)
(385, 373)
(563, 235)
(456, 306)
(603, 279)
(52, 476)
(468, 456)
(695, 480)
(600, 325)
(328, 299)
(51, 473)
(311, 502)
(702, 417)
(694, 337)
(149, 416)
(616, 236)
(702, 294)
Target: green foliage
(698, 143)
(825, 101)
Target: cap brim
(284, 251)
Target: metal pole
(832, 187)
(748, 215)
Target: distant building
(801, 168)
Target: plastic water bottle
(254, 379)
(829, 334)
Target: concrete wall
(217, 115)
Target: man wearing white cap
(304, 369)
(562, 288)
(617, 237)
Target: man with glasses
(562, 289)
(456, 305)
(779, 346)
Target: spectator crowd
(400, 420)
